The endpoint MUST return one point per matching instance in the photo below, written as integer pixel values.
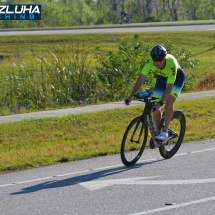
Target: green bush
(119, 69)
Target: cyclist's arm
(138, 84)
(136, 87)
(172, 72)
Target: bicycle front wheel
(120, 21)
(134, 141)
(176, 130)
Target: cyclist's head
(158, 53)
(120, 11)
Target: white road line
(175, 206)
(204, 150)
(100, 168)
(95, 185)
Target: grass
(46, 141)
(24, 50)
(19, 48)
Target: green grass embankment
(47, 141)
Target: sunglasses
(158, 60)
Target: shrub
(121, 68)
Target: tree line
(59, 13)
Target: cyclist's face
(158, 64)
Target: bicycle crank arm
(156, 142)
(169, 138)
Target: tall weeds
(67, 79)
(208, 83)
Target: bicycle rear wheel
(176, 130)
(134, 141)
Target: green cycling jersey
(169, 71)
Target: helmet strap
(163, 64)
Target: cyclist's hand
(127, 100)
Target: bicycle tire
(120, 21)
(165, 153)
(130, 147)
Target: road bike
(136, 134)
(122, 20)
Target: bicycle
(136, 134)
(122, 20)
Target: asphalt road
(202, 27)
(104, 186)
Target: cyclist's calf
(169, 112)
(157, 118)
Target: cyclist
(168, 86)
(123, 15)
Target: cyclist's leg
(179, 82)
(169, 112)
(159, 89)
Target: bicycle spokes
(140, 133)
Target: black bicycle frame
(146, 118)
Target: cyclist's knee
(157, 114)
(169, 105)
(170, 101)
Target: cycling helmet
(120, 11)
(158, 53)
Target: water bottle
(144, 94)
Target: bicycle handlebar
(135, 95)
(146, 99)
